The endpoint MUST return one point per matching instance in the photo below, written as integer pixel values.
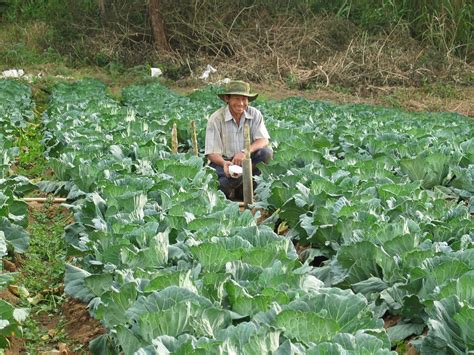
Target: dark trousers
(232, 188)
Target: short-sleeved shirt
(224, 137)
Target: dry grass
(307, 51)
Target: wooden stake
(174, 139)
(195, 141)
(44, 199)
(247, 179)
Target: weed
(392, 101)
(31, 161)
(291, 81)
(42, 274)
(401, 347)
(341, 89)
(442, 90)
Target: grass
(42, 273)
(31, 162)
(41, 269)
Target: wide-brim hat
(237, 87)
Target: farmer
(225, 136)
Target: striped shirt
(224, 137)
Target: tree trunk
(101, 4)
(157, 25)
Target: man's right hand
(226, 167)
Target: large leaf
(301, 326)
(431, 170)
(450, 327)
(359, 343)
(15, 235)
(115, 303)
(248, 338)
(74, 283)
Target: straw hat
(237, 87)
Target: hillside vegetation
(354, 46)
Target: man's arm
(256, 145)
(219, 160)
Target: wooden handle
(195, 141)
(247, 179)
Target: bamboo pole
(44, 199)
(174, 139)
(195, 141)
(247, 170)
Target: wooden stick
(45, 199)
(174, 139)
(195, 141)
(247, 170)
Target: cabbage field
(16, 108)
(369, 216)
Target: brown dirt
(6, 295)
(80, 326)
(9, 266)
(411, 350)
(78, 330)
(17, 346)
(390, 321)
(71, 324)
(53, 209)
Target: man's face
(237, 104)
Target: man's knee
(263, 155)
(229, 185)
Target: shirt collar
(228, 115)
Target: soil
(390, 321)
(71, 324)
(17, 346)
(80, 326)
(79, 329)
(8, 296)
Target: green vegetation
(31, 161)
(446, 24)
(161, 253)
(42, 273)
(347, 43)
(32, 237)
(380, 200)
(15, 110)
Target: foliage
(15, 110)
(42, 274)
(165, 262)
(82, 34)
(369, 189)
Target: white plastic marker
(155, 72)
(235, 171)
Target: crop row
(384, 197)
(16, 108)
(165, 262)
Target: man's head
(237, 88)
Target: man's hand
(226, 168)
(238, 158)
